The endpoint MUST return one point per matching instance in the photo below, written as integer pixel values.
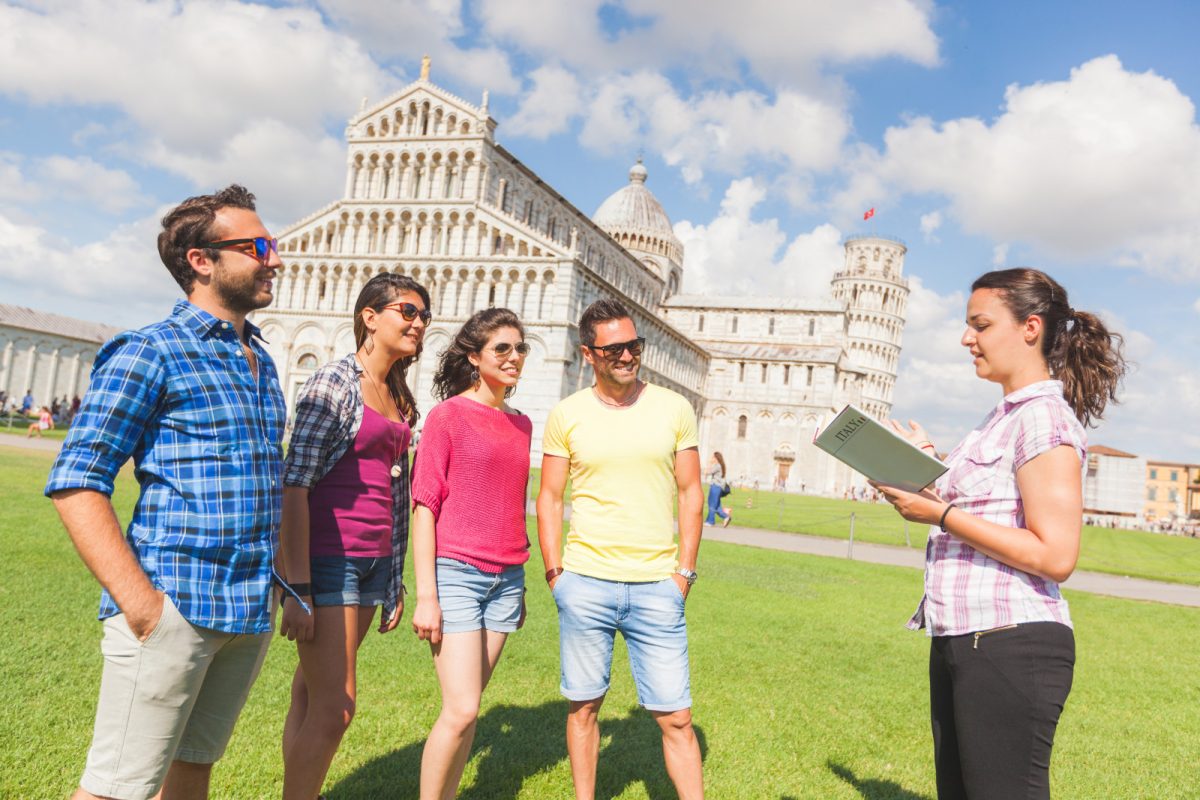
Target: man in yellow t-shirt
(629, 450)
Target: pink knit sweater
(471, 471)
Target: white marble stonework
(429, 193)
(48, 353)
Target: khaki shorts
(174, 696)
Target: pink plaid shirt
(965, 590)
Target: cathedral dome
(634, 209)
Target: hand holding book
(887, 454)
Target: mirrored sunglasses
(411, 312)
(263, 246)
(613, 351)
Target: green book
(857, 439)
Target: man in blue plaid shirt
(187, 606)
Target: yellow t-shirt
(623, 485)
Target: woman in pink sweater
(469, 540)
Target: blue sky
(1061, 135)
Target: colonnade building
(47, 354)
(429, 193)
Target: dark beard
(239, 294)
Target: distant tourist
(718, 487)
(27, 402)
(469, 540)
(628, 448)
(195, 401)
(1008, 516)
(345, 518)
(44, 422)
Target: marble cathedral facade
(431, 194)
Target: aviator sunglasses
(263, 246)
(612, 352)
(411, 312)
(504, 348)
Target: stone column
(6, 368)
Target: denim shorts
(472, 599)
(349, 580)
(649, 616)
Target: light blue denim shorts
(472, 599)
(649, 616)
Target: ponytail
(1078, 348)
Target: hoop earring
(369, 345)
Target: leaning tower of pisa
(876, 296)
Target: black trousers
(995, 698)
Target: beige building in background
(50, 354)
(1172, 491)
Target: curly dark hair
(455, 373)
(189, 224)
(382, 289)
(1078, 348)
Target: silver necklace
(395, 471)
(637, 392)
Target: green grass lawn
(806, 685)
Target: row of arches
(417, 119)
(871, 296)
(423, 175)
(649, 244)
(885, 358)
(871, 326)
(455, 293)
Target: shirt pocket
(978, 472)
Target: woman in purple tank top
(345, 518)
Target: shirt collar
(205, 324)
(1050, 388)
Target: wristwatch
(688, 575)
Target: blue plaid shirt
(204, 433)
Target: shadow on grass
(872, 788)
(514, 743)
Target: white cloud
(1100, 165)
(1197, 305)
(929, 224)
(548, 107)
(408, 29)
(1000, 255)
(84, 280)
(83, 180)
(717, 131)
(779, 43)
(216, 91)
(743, 255)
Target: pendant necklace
(395, 471)
(637, 392)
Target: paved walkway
(1093, 582)
(19, 440)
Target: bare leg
(583, 745)
(186, 781)
(681, 751)
(328, 663)
(464, 664)
(296, 712)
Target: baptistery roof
(634, 209)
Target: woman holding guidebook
(469, 540)
(1008, 515)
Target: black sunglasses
(411, 312)
(263, 246)
(504, 348)
(613, 351)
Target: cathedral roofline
(820, 353)
(432, 88)
(755, 303)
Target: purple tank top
(350, 509)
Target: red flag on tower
(869, 214)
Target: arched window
(307, 361)
(812, 326)
(733, 324)
(700, 327)
(742, 422)
(771, 326)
